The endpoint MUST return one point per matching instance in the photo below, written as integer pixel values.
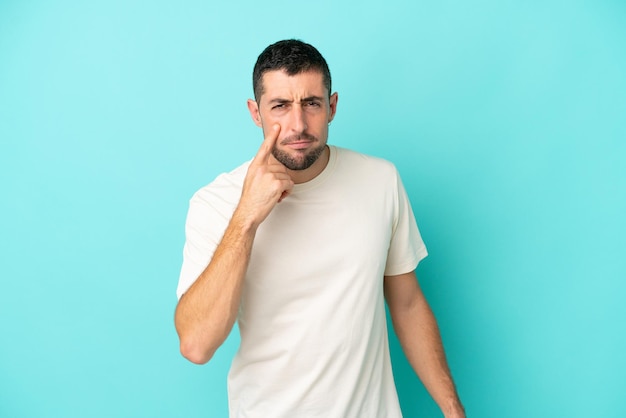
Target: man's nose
(298, 116)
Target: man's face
(301, 106)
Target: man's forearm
(419, 336)
(207, 312)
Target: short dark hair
(293, 57)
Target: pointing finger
(267, 146)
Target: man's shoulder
(226, 186)
(355, 160)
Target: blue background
(505, 119)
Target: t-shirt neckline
(321, 177)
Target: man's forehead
(279, 82)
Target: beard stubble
(301, 160)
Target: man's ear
(333, 106)
(253, 108)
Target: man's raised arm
(206, 313)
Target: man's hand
(267, 183)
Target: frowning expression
(302, 107)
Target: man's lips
(300, 144)
(302, 138)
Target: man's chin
(298, 161)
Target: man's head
(293, 57)
(291, 83)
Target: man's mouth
(299, 141)
(300, 144)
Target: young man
(302, 245)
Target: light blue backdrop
(505, 119)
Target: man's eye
(312, 104)
(278, 106)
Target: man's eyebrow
(312, 98)
(280, 100)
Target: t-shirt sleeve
(406, 248)
(210, 210)
(203, 232)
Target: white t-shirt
(312, 315)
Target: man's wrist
(454, 409)
(244, 222)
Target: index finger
(268, 145)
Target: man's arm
(418, 333)
(207, 312)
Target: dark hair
(293, 57)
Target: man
(302, 245)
